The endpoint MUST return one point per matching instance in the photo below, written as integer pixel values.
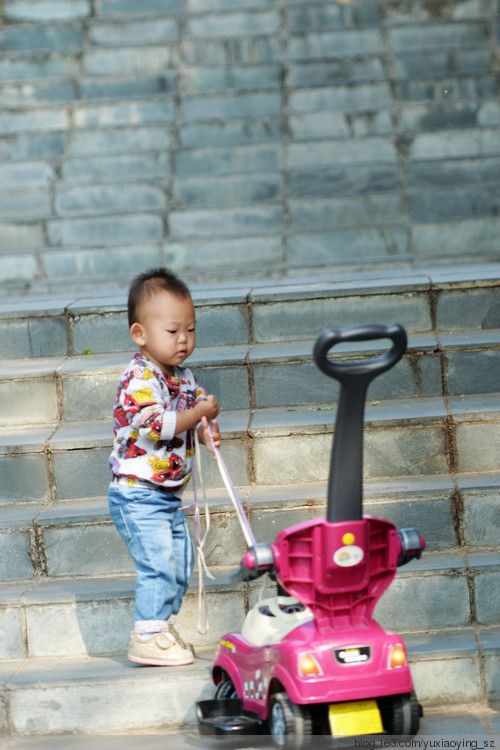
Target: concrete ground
(462, 728)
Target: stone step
(194, 102)
(237, 312)
(67, 389)
(61, 231)
(136, 73)
(61, 93)
(475, 721)
(52, 696)
(93, 615)
(114, 199)
(371, 156)
(73, 269)
(46, 269)
(113, 24)
(77, 537)
(402, 437)
(238, 148)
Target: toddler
(158, 406)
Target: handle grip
(367, 369)
(345, 493)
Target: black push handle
(345, 493)
(368, 368)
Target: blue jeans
(154, 528)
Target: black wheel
(225, 689)
(400, 714)
(290, 724)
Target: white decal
(348, 556)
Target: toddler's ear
(137, 334)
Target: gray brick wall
(245, 134)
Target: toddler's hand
(211, 432)
(208, 407)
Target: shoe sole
(159, 662)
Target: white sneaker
(159, 650)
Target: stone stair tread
(94, 588)
(126, 694)
(267, 290)
(279, 420)
(283, 420)
(128, 698)
(324, 288)
(372, 280)
(81, 364)
(95, 509)
(98, 588)
(474, 407)
(88, 668)
(482, 559)
(479, 481)
(14, 369)
(71, 100)
(442, 272)
(269, 421)
(435, 562)
(19, 516)
(87, 510)
(470, 339)
(65, 670)
(19, 440)
(230, 354)
(81, 387)
(52, 591)
(490, 639)
(298, 350)
(58, 90)
(239, 354)
(67, 96)
(72, 312)
(445, 644)
(394, 487)
(98, 433)
(450, 643)
(84, 434)
(36, 305)
(45, 695)
(423, 645)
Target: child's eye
(191, 330)
(171, 331)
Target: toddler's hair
(150, 282)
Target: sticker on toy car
(348, 556)
(353, 655)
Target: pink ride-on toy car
(312, 660)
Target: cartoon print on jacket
(166, 468)
(146, 447)
(134, 402)
(129, 448)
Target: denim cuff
(150, 626)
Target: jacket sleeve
(146, 407)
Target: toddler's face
(165, 332)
